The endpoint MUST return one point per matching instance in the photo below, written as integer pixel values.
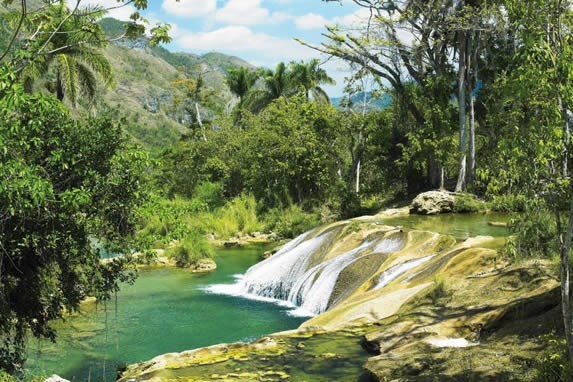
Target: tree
(46, 31)
(309, 76)
(241, 81)
(62, 183)
(74, 53)
(277, 83)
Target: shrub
(238, 215)
(554, 366)
(193, 248)
(533, 235)
(508, 203)
(465, 203)
(291, 221)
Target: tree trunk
(566, 135)
(461, 184)
(200, 122)
(566, 303)
(442, 178)
(472, 148)
(358, 177)
(59, 88)
(433, 171)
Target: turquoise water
(164, 311)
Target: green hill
(148, 93)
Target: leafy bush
(554, 366)
(508, 203)
(468, 203)
(290, 222)
(189, 251)
(208, 196)
(533, 235)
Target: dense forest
(468, 96)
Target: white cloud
(248, 12)
(242, 12)
(189, 8)
(310, 21)
(242, 41)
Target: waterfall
(276, 276)
(396, 271)
(298, 276)
(389, 245)
(312, 291)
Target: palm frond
(67, 69)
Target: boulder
(433, 202)
(204, 265)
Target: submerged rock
(433, 202)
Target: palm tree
(74, 55)
(275, 84)
(310, 76)
(241, 81)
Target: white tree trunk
(200, 122)
(461, 184)
(358, 177)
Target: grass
(191, 250)
(291, 221)
(439, 289)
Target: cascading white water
(312, 292)
(296, 276)
(276, 276)
(389, 245)
(396, 271)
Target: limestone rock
(204, 265)
(433, 202)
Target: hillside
(148, 91)
(372, 103)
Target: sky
(261, 32)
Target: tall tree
(309, 76)
(62, 182)
(277, 83)
(74, 53)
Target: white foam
(450, 342)
(396, 271)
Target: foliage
(62, 181)
(74, 53)
(468, 203)
(508, 203)
(533, 234)
(238, 216)
(291, 221)
(554, 366)
(191, 250)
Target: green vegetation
(191, 250)
(480, 100)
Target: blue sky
(259, 31)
